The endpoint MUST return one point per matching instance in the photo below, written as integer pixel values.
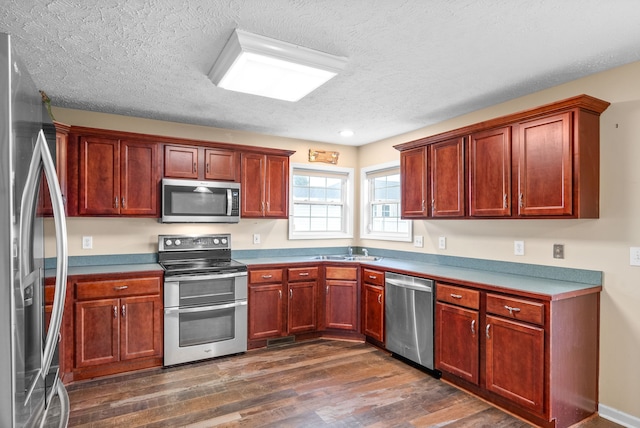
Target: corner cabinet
(536, 356)
(539, 163)
(341, 298)
(265, 185)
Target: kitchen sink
(348, 258)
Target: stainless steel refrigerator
(29, 383)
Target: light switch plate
(256, 238)
(87, 242)
(442, 242)
(558, 251)
(418, 241)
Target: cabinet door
(515, 361)
(373, 309)
(99, 176)
(447, 178)
(44, 204)
(220, 164)
(97, 334)
(181, 162)
(302, 307)
(140, 327)
(490, 173)
(265, 311)
(139, 180)
(413, 183)
(252, 182)
(277, 187)
(341, 304)
(457, 341)
(545, 166)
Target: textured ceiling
(411, 63)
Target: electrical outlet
(634, 256)
(87, 242)
(418, 241)
(518, 248)
(256, 238)
(558, 251)
(442, 242)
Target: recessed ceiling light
(346, 133)
(271, 68)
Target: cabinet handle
(373, 277)
(511, 310)
(521, 200)
(423, 205)
(194, 167)
(280, 294)
(304, 274)
(207, 168)
(115, 202)
(121, 287)
(473, 327)
(124, 311)
(456, 296)
(115, 311)
(380, 298)
(122, 204)
(262, 206)
(267, 276)
(327, 290)
(268, 206)
(487, 331)
(504, 200)
(433, 205)
(291, 293)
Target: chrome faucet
(350, 251)
(365, 252)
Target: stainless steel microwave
(193, 201)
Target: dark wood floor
(319, 383)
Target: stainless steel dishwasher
(408, 305)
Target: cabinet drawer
(265, 276)
(86, 290)
(302, 274)
(374, 277)
(341, 272)
(510, 307)
(458, 296)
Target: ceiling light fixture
(346, 133)
(267, 67)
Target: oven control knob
(168, 242)
(178, 242)
(216, 241)
(224, 241)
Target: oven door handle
(205, 277)
(205, 308)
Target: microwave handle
(229, 202)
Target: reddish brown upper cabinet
(200, 163)
(118, 178)
(545, 166)
(539, 163)
(413, 183)
(447, 178)
(265, 185)
(44, 204)
(489, 166)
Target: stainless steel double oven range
(205, 298)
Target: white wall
(601, 244)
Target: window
(321, 202)
(381, 204)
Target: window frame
(365, 206)
(348, 201)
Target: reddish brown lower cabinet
(303, 299)
(373, 304)
(341, 298)
(536, 356)
(266, 303)
(118, 323)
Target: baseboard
(618, 417)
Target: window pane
(334, 195)
(301, 180)
(301, 193)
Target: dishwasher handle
(412, 286)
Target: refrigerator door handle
(61, 254)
